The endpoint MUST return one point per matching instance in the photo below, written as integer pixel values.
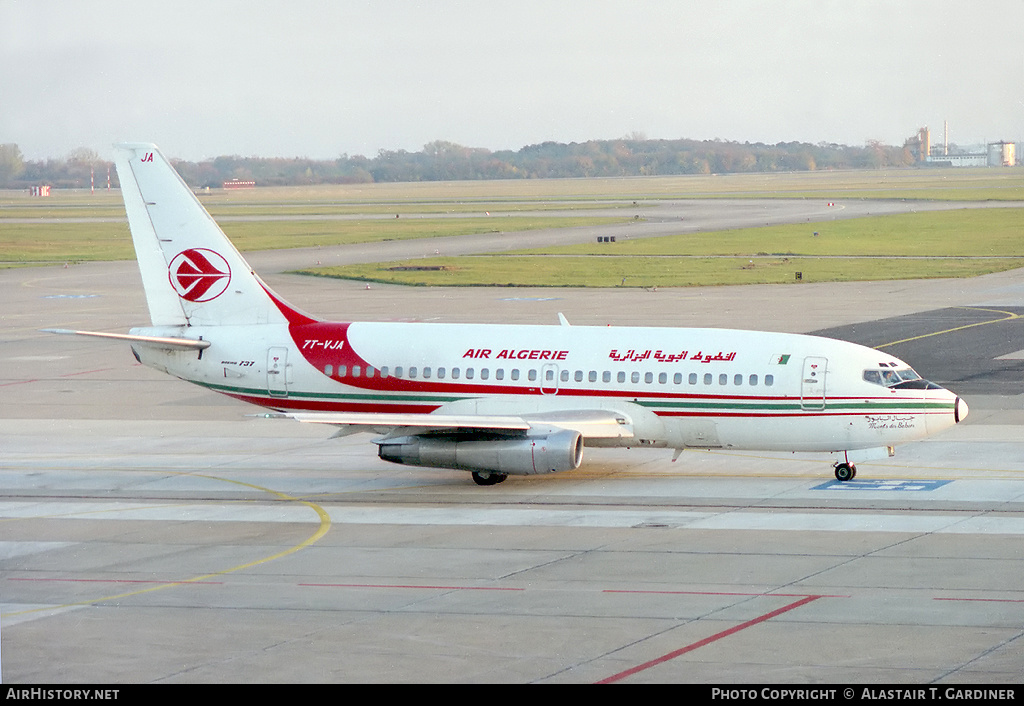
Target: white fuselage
(679, 388)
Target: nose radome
(959, 410)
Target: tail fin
(192, 274)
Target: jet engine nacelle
(530, 455)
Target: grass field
(974, 184)
(960, 243)
(43, 243)
(969, 184)
(650, 272)
(82, 226)
(963, 232)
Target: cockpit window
(889, 377)
(873, 376)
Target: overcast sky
(319, 78)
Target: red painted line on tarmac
(86, 372)
(399, 585)
(707, 641)
(65, 375)
(717, 593)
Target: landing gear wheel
(845, 472)
(485, 478)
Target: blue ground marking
(887, 485)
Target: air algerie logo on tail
(199, 275)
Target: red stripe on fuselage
(304, 404)
(295, 404)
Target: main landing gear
(845, 471)
(488, 478)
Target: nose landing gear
(845, 471)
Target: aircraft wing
(591, 424)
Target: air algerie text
(515, 354)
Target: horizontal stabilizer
(155, 341)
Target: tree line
(447, 161)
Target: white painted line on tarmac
(10, 550)
(824, 521)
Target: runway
(154, 533)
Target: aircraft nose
(959, 410)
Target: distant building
(1002, 154)
(236, 184)
(996, 154)
(959, 160)
(920, 145)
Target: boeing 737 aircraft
(500, 400)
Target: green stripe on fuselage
(696, 405)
